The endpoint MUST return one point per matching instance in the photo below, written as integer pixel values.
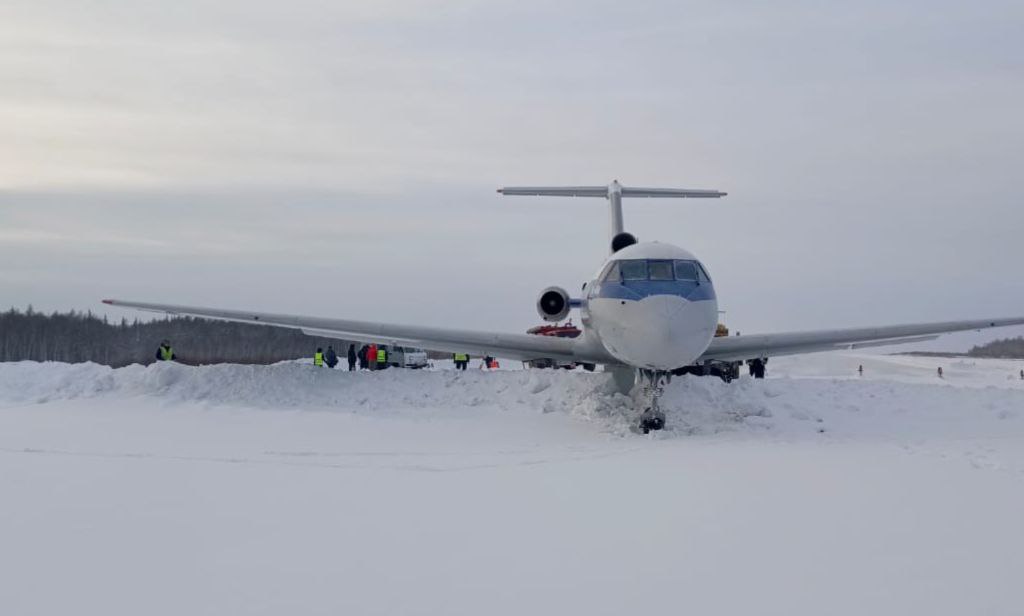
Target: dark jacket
(352, 353)
(331, 358)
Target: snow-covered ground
(293, 490)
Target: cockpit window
(657, 270)
(633, 269)
(660, 270)
(686, 270)
(703, 273)
(611, 273)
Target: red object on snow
(559, 331)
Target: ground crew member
(461, 360)
(382, 357)
(860, 369)
(940, 372)
(318, 357)
(352, 357)
(331, 357)
(165, 352)
(361, 356)
(371, 356)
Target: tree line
(1008, 348)
(83, 336)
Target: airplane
(649, 313)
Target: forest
(1008, 348)
(83, 336)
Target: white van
(407, 357)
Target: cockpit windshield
(659, 270)
(655, 270)
(686, 270)
(634, 269)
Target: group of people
(462, 362)
(330, 357)
(368, 357)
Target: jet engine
(622, 240)
(554, 304)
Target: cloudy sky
(340, 158)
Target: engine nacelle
(622, 240)
(554, 304)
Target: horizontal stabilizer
(691, 193)
(556, 191)
(606, 191)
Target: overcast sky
(340, 159)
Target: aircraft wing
(523, 347)
(793, 343)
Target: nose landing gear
(653, 383)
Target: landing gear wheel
(651, 420)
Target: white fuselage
(652, 306)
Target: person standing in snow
(318, 357)
(331, 357)
(860, 370)
(940, 372)
(371, 357)
(352, 357)
(1022, 375)
(165, 352)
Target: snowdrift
(804, 405)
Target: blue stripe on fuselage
(638, 289)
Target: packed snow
(230, 489)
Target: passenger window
(633, 270)
(611, 273)
(660, 270)
(686, 270)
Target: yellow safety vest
(167, 353)
(318, 359)
(382, 356)
(461, 357)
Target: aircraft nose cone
(660, 332)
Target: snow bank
(788, 405)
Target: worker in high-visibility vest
(382, 358)
(318, 357)
(165, 352)
(461, 360)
